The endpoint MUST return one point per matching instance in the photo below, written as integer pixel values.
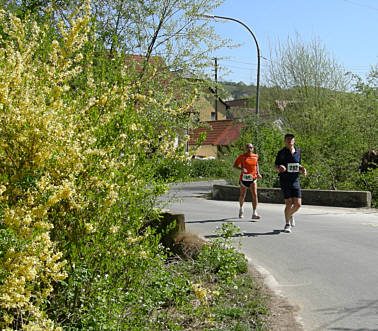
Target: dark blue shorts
(247, 184)
(291, 190)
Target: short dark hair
(287, 135)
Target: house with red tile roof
(218, 136)
(219, 133)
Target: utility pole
(216, 87)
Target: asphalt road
(328, 265)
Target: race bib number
(293, 167)
(247, 177)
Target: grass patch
(213, 303)
(219, 294)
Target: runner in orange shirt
(248, 166)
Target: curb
(348, 199)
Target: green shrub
(84, 152)
(172, 170)
(221, 257)
(217, 168)
(369, 182)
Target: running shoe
(241, 213)
(287, 228)
(255, 217)
(292, 221)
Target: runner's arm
(277, 166)
(237, 165)
(303, 170)
(258, 171)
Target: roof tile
(219, 133)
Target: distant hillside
(239, 90)
(267, 95)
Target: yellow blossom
(200, 292)
(216, 293)
(89, 228)
(114, 229)
(2, 189)
(78, 57)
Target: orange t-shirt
(249, 162)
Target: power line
(352, 67)
(270, 60)
(360, 67)
(361, 5)
(226, 60)
(248, 71)
(237, 67)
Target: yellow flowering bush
(83, 136)
(31, 133)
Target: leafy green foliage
(173, 170)
(221, 257)
(218, 168)
(307, 68)
(168, 29)
(82, 152)
(211, 284)
(369, 182)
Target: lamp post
(258, 52)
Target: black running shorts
(291, 189)
(291, 192)
(247, 183)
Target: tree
(306, 78)
(38, 8)
(166, 28)
(169, 29)
(307, 68)
(366, 106)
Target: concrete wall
(207, 150)
(222, 110)
(349, 199)
(205, 109)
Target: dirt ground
(282, 315)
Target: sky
(347, 28)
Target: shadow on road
(230, 220)
(366, 308)
(249, 234)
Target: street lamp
(258, 52)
